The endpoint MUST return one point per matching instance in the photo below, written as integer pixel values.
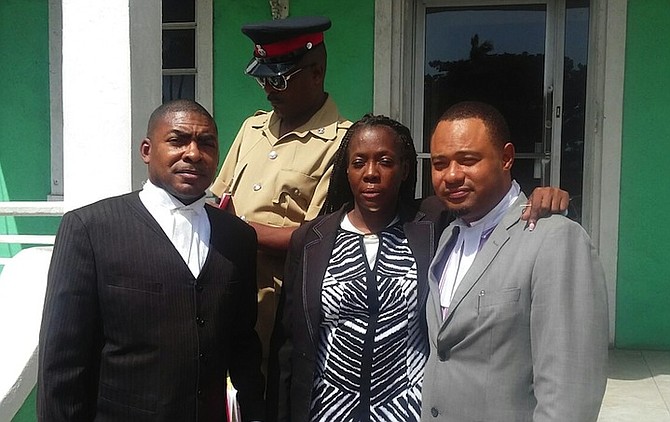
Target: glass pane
(574, 102)
(179, 49)
(178, 11)
(493, 54)
(178, 86)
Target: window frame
(203, 70)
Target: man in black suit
(151, 296)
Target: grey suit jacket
(526, 336)
(129, 334)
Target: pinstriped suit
(526, 335)
(129, 334)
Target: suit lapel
(487, 254)
(218, 236)
(420, 238)
(137, 207)
(484, 257)
(317, 251)
(444, 247)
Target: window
(179, 69)
(509, 55)
(187, 50)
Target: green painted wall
(24, 118)
(27, 412)
(350, 58)
(643, 287)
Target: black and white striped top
(372, 351)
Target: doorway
(529, 60)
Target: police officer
(278, 168)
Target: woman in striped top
(349, 342)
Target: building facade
(582, 82)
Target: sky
(510, 29)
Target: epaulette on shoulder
(344, 124)
(258, 119)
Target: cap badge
(260, 50)
(309, 45)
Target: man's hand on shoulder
(543, 202)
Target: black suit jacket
(295, 340)
(435, 211)
(128, 334)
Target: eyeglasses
(279, 82)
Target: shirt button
(257, 187)
(272, 155)
(198, 287)
(200, 321)
(434, 412)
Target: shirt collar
(323, 124)
(493, 217)
(161, 198)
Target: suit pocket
(131, 309)
(294, 193)
(232, 287)
(136, 285)
(500, 297)
(501, 308)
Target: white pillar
(96, 100)
(102, 127)
(146, 75)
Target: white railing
(32, 209)
(22, 293)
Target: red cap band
(285, 47)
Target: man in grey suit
(151, 296)
(517, 319)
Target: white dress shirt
(187, 226)
(471, 238)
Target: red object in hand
(225, 200)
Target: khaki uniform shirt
(281, 182)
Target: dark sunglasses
(279, 82)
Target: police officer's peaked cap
(279, 44)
